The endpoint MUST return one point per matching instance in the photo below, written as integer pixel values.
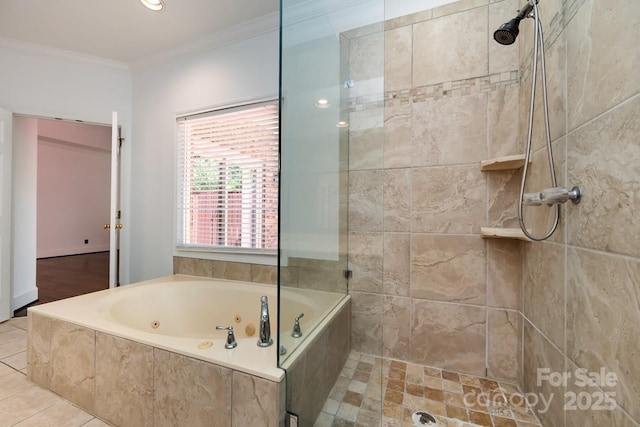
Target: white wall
(242, 71)
(25, 146)
(47, 83)
(74, 162)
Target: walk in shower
(402, 153)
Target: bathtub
(149, 353)
(180, 313)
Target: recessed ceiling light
(322, 103)
(156, 5)
(342, 124)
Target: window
(228, 178)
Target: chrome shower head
(506, 34)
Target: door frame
(114, 209)
(121, 202)
(6, 219)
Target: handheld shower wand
(506, 35)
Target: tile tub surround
(421, 272)
(94, 361)
(132, 384)
(312, 371)
(129, 312)
(23, 403)
(379, 391)
(177, 313)
(255, 273)
(320, 275)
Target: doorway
(72, 203)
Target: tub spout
(265, 326)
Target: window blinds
(228, 178)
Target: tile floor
(22, 403)
(368, 383)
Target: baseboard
(72, 255)
(25, 299)
(85, 249)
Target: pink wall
(73, 188)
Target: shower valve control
(231, 338)
(552, 196)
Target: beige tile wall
(131, 384)
(452, 97)
(226, 270)
(581, 288)
(123, 375)
(320, 275)
(426, 288)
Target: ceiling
(123, 30)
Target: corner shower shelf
(503, 233)
(503, 163)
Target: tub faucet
(231, 339)
(297, 332)
(265, 326)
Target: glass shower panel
(323, 98)
(313, 200)
(331, 91)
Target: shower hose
(538, 47)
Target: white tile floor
(23, 403)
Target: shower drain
(421, 418)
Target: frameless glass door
(331, 96)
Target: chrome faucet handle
(231, 338)
(532, 199)
(297, 333)
(552, 196)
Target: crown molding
(52, 52)
(246, 30)
(252, 28)
(339, 12)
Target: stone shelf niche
(503, 233)
(505, 163)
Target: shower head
(506, 34)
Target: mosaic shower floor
(368, 383)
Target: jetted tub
(180, 313)
(149, 353)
